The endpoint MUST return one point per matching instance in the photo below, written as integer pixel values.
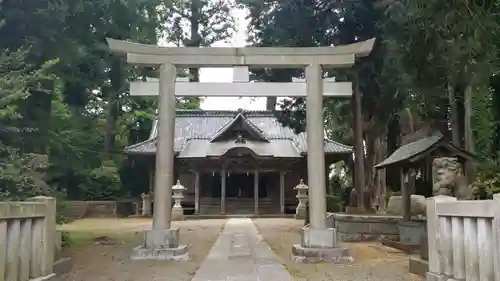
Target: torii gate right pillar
(318, 242)
(315, 144)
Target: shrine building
(237, 162)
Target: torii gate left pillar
(318, 241)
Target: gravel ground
(97, 262)
(373, 262)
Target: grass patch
(82, 232)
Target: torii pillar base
(161, 244)
(320, 245)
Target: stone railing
(27, 239)
(368, 227)
(464, 239)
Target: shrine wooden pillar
(151, 181)
(223, 192)
(282, 191)
(405, 196)
(196, 192)
(256, 192)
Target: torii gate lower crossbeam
(318, 241)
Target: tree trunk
(271, 103)
(455, 123)
(369, 141)
(358, 146)
(410, 129)
(468, 137)
(373, 157)
(393, 142)
(112, 93)
(195, 39)
(380, 175)
(110, 128)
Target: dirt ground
(372, 261)
(107, 258)
(94, 261)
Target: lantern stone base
(300, 213)
(431, 276)
(177, 214)
(161, 244)
(320, 245)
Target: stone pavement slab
(240, 254)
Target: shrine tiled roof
(201, 125)
(412, 150)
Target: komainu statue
(448, 179)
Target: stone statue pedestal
(146, 205)
(320, 245)
(137, 208)
(177, 210)
(301, 210)
(161, 244)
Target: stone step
(249, 200)
(245, 209)
(237, 205)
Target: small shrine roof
(412, 151)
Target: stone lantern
(177, 211)
(301, 211)
(146, 205)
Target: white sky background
(226, 74)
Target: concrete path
(240, 254)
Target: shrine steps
(238, 206)
(252, 216)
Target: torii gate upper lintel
(273, 57)
(317, 237)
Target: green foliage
(18, 179)
(482, 122)
(65, 240)
(211, 20)
(15, 181)
(77, 106)
(422, 48)
(65, 97)
(335, 198)
(102, 183)
(487, 182)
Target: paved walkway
(240, 254)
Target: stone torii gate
(162, 242)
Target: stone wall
(98, 209)
(354, 227)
